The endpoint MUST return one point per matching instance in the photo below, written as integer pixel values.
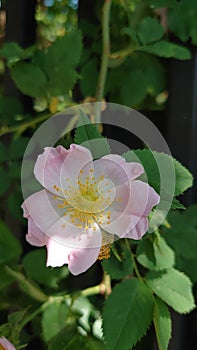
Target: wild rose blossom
(5, 344)
(85, 204)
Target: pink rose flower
(5, 344)
(85, 204)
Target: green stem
(105, 56)
(22, 127)
(86, 292)
(29, 288)
(91, 291)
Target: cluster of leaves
(147, 278)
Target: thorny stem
(104, 58)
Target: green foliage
(10, 247)
(85, 309)
(88, 135)
(162, 3)
(123, 307)
(144, 77)
(13, 52)
(89, 79)
(182, 20)
(40, 273)
(166, 49)
(52, 73)
(54, 319)
(150, 30)
(5, 181)
(155, 254)
(3, 152)
(173, 287)
(119, 269)
(5, 279)
(162, 323)
(24, 73)
(17, 148)
(10, 109)
(181, 235)
(70, 339)
(151, 161)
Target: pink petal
(143, 198)
(48, 166)
(80, 256)
(6, 344)
(35, 236)
(82, 259)
(56, 164)
(138, 229)
(137, 200)
(132, 169)
(57, 254)
(111, 170)
(40, 206)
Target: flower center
(86, 200)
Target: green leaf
(84, 308)
(173, 287)
(60, 61)
(131, 33)
(89, 79)
(88, 136)
(14, 202)
(162, 3)
(29, 79)
(134, 90)
(68, 339)
(118, 269)
(9, 108)
(40, 273)
(11, 51)
(3, 152)
(5, 181)
(17, 148)
(150, 30)
(5, 279)
(10, 247)
(149, 161)
(162, 323)
(67, 49)
(143, 76)
(127, 314)
(54, 319)
(181, 234)
(166, 49)
(182, 20)
(177, 205)
(15, 321)
(155, 254)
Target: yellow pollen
(104, 252)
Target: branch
(105, 55)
